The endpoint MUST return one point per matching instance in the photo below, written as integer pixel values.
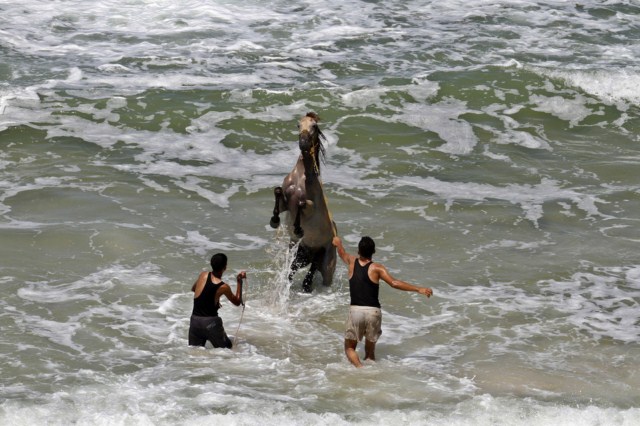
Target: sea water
(490, 148)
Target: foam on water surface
(489, 150)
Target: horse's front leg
(275, 219)
(297, 229)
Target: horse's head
(310, 140)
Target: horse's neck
(311, 169)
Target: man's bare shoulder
(378, 266)
(378, 271)
(202, 277)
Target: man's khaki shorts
(364, 321)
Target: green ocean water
(490, 149)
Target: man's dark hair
(218, 262)
(366, 247)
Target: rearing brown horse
(308, 220)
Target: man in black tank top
(205, 324)
(365, 316)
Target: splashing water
(491, 152)
(279, 284)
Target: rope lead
(235, 337)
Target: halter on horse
(308, 219)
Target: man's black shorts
(202, 329)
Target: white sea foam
(600, 303)
(524, 139)
(94, 333)
(443, 119)
(202, 245)
(57, 332)
(121, 400)
(529, 197)
(572, 110)
(612, 87)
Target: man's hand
(426, 291)
(242, 275)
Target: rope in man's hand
(235, 337)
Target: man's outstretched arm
(399, 284)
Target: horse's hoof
(275, 222)
(307, 288)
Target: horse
(309, 221)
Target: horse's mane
(321, 138)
